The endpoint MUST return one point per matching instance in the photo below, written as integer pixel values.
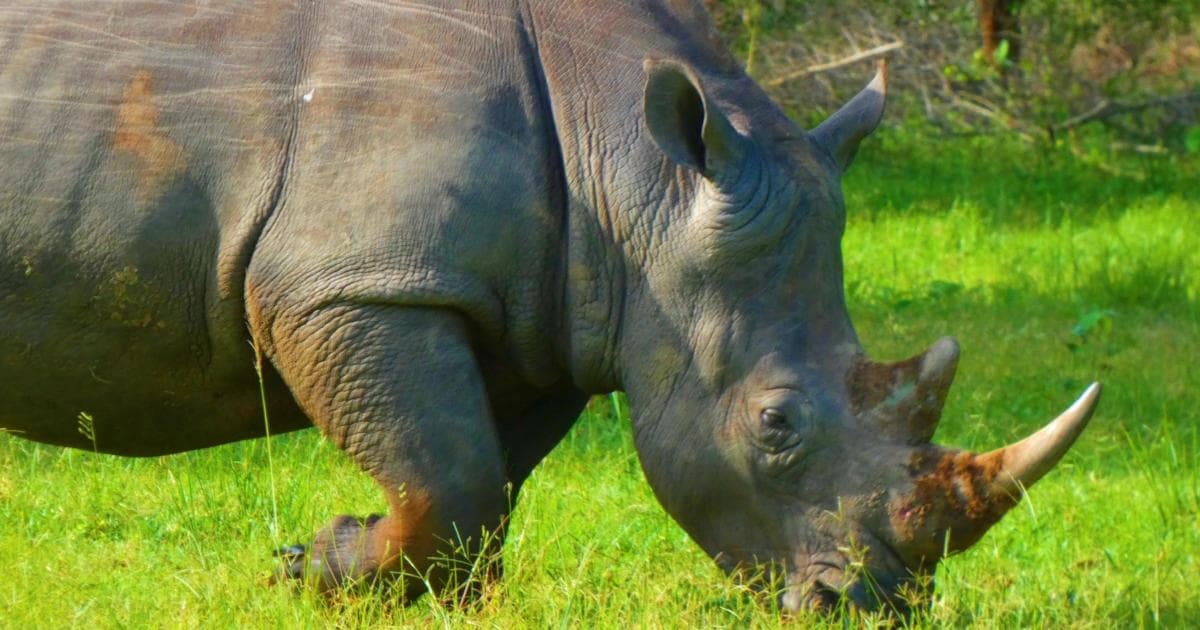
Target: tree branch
(1107, 109)
(845, 61)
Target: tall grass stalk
(262, 395)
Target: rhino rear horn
(686, 124)
(904, 400)
(841, 133)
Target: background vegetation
(1043, 70)
(1055, 258)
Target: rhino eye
(773, 418)
(775, 432)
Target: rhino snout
(840, 588)
(869, 576)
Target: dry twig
(1107, 109)
(845, 61)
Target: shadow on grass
(1181, 615)
(1012, 183)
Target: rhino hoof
(291, 552)
(335, 559)
(292, 567)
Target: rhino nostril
(816, 596)
(823, 597)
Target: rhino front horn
(1022, 464)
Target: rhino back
(142, 146)
(374, 151)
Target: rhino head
(762, 426)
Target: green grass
(1051, 272)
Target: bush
(1130, 68)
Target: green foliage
(1099, 321)
(1191, 139)
(1074, 57)
(1075, 19)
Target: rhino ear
(841, 133)
(685, 123)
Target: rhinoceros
(445, 224)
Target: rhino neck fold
(593, 305)
(611, 193)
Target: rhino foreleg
(399, 390)
(527, 439)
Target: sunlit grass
(1103, 286)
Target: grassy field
(1050, 269)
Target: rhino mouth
(821, 591)
(834, 580)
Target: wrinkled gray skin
(445, 224)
